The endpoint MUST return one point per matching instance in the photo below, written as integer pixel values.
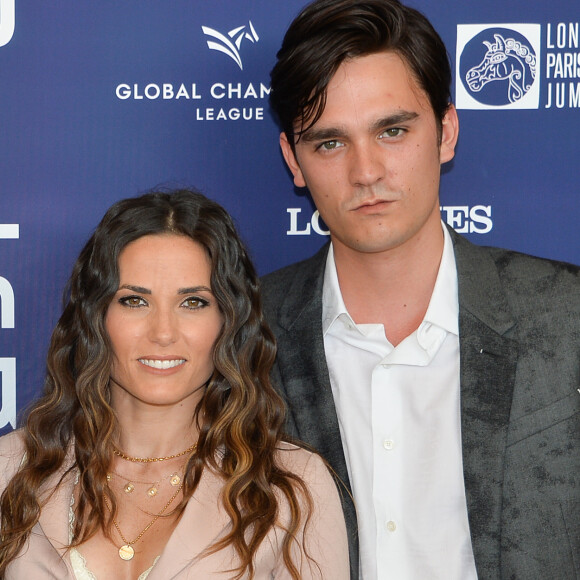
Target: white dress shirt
(399, 415)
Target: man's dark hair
(327, 32)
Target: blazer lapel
(54, 519)
(303, 369)
(203, 522)
(306, 383)
(488, 359)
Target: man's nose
(367, 165)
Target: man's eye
(331, 145)
(392, 132)
(194, 303)
(132, 301)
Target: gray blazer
(519, 329)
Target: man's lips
(373, 205)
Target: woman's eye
(132, 301)
(194, 303)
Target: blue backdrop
(105, 100)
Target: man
(438, 378)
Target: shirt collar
(443, 309)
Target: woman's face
(162, 322)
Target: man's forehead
(358, 73)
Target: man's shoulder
(518, 268)
(541, 295)
(534, 272)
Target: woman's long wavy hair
(240, 416)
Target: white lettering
(123, 91)
(152, 91)
(561, 35)
(480, 215)
(315, 221)
(250, 92)
(549, 43)
(567, 35)
(234, 90)
(574, 96)
(462, 218)
(168, 91)
(550, 63)
(294, 231)
(233, 114)
(457, 217)
(573, 35)
(563, 65)
(8, 379)
(549, 103)
(214, 93)
(6, 304)
(7, 21)
(560, 95)
(9, 231)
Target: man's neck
(393, 287)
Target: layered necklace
(126, 551)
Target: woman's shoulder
(11, 454)
(11, 445)
(304, 462)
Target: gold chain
(125, 551)
(152, 459)
(174, 479)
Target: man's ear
(449, 135)
(291, 161)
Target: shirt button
(388, 444)
(391, 526)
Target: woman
(156, 450)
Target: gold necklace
(126, 551)
(151, 459)
(153, 489)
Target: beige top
(202, 523)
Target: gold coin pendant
(126, 552)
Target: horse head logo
(507, 60)
(230, 44)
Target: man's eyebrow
(323, 134)
(331, 133)
(394, 119)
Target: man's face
(372, 160)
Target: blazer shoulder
(293, 283)
(518, 273)
(279, 279)
(11, 454)
(534, 276)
